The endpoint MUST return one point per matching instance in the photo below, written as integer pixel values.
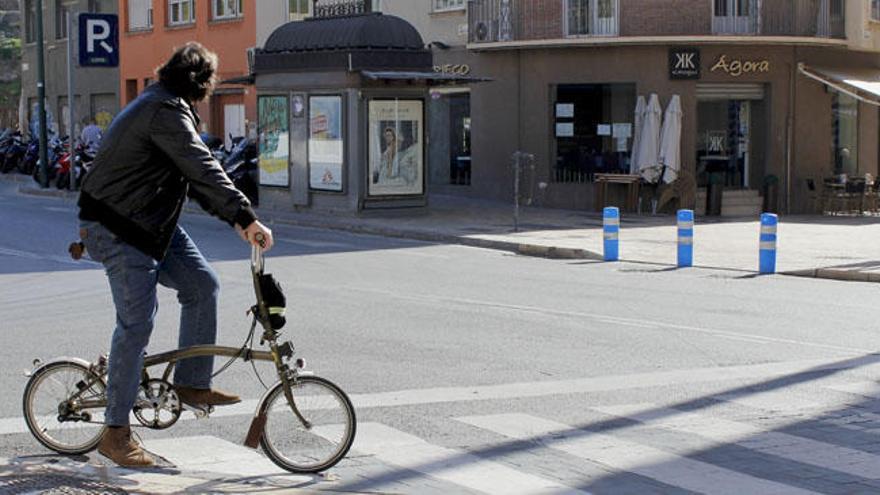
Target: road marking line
(316, 244)
(409, 452)
(759, 372)
(638, 322)
(720, 431)
(627, 456)
(37, 256)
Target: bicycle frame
(276, 354)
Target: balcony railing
(526, 20)
(800, 18)
(514, 20)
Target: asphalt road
(460, 347)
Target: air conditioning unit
(483, 31)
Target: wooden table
(632, 189)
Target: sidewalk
(841, 248)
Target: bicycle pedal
(200, 411)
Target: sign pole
(41, 100)
(71, 129)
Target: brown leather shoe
(118, 446)
(205, 396)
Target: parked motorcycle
(82, 161)
(12, 151)
(58, 150)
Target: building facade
(150, 30)
(763, 87)
(96, 92)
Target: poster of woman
(274, 141)
(396, 148)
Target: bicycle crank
(157, 405)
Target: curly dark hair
(189, 73)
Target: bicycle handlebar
(257, 260)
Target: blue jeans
(133, 276)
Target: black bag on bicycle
(274, 300)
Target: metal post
(685, 238)
(41, 100)
(71, 129)
(767, 247)
(516, 165)
(611, 233)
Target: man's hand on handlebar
(257, 234)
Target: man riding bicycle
(150, 158)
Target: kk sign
(684, 63)
(98, 40)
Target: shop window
(30, 21)
(181, 12)
(62, 12)
(593, 125)
(845, 134)
(298, 10)
(140, 14)
(227, 9)
(446, 5)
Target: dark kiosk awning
(371, 41)
(432, 78)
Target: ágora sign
(738, 67)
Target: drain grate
(54, 484)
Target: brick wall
(665, 17)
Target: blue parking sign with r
(98, 40)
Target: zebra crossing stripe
(215, 455)
(774, 401)
(627, 456)
(869, 389)
(455, 466)
(721, 431)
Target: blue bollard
(769, 223)
(685, 238)
(611, 231)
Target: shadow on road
(831, 429)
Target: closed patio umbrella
(670, 141)
(637, 131)
(649, 141)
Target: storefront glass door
(725, 143)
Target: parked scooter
(82, 161)
(12, 151)
(58, 150)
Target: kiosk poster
(396, 148)
(325, 143)
(274, 140)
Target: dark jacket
(150, 157)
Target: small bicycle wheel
(54, 418)
(320, 445)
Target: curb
(836, 274)
(524, 249)
(48, 192)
